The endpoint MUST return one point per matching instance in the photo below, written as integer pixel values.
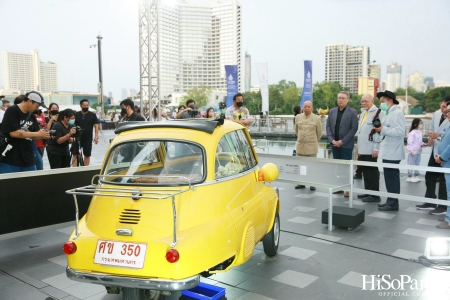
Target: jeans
(413, 161)
(447, 182)
(342, 153)
(39, 161)
(392, 181)
(5, 168)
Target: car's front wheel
(133, 294)
(272, 238)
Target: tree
(433, 97)
(325, 94)
(253, 102)
(402, 92)
(199, 95)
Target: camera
(376, 123)
(193, 112)
(78, 132)
(52, 132)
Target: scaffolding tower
(149, 56)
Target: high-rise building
(248, 72)
(49, 77)
(429, 82)
(345, 64)
(132, 93)
(368, 85)
(417, 82)
(394, 77)
(25, 72)
(19, 70)
(124, 94)
(375, 72)
(196, 41)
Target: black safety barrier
(35, 199)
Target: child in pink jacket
(414, 147)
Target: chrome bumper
(131, 282)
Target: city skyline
(282, 33)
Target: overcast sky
(414, 33)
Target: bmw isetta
(174, 201)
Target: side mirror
(260, 144)
(269, 172)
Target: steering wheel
(234, 163)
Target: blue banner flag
(231, 73)
(307, 83)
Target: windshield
(155, 162)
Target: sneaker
(414, 179)
(443, 225)
(426, 206)
(438, 211)
(418, 178)
(409, 179)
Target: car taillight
(70, 248)
(172, 256)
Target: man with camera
(368, 145)
(86, 120)
(237, 112)
(190, 111)
(392, 149)
(438, 127)
(128, 113)
(21, 128)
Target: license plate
(112, 253)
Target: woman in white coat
(392, 149)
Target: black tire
(272, 238)
(133, 294)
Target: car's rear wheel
(133, 294)
(272, 238)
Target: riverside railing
(336, 175)
(285, 124)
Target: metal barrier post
(330, 209)
(350, 196)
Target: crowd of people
(380, 135)
(26, 132)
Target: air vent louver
(130, 216)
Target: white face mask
(420, 127)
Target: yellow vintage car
(174, 201)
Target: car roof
(204, 125)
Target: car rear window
(155, 162)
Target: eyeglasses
(34, 102)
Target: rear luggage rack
(132, 216)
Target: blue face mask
(384, 106)
(71, 122)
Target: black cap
(221, 105)
(388, 94)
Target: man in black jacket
(128, 112)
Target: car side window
(247, 149)
(230, 157)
